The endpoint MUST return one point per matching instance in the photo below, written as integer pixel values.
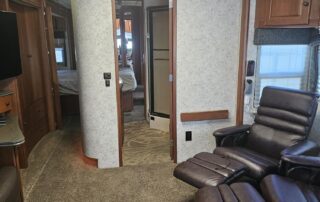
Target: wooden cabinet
(287, 13)
(31, 83)
(5, 103)
(32, 96)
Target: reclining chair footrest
(207, 169)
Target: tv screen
(10, 63)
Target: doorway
(143, 50)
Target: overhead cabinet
(287, 13)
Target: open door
(53, 67)
(159, 72)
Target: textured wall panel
(208, 40)
(95, 54)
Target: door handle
(306, 3)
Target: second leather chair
(301, 184)
(282, 125)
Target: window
(282, 66)
(60, 55)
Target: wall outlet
(188, 136)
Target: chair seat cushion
(233, 193)
(257, 164)
(280, 189)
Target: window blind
(284, 36)
(282, 66)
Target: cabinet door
(287, 12)
(31, 82)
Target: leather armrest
(306, 147)
(224, 135)
(231, 130)
(306, 161)
(302, 168)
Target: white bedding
(68, 82)
(128, 78)
(69, 85)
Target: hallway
(57, 173)
(143, 145)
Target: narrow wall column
(93, 28)
(208, 43)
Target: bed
(68, 82)
(129, 84)
(69, 90)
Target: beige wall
(208, 38)
(207, 67)
(95, 54)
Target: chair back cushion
(283, 119)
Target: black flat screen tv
(10, 62)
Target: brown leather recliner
(302, 184)
(281, 127)
(9, 185)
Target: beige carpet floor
(143, 145)
(57, 172)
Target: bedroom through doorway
(142, 75)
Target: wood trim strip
(53, 69)
(242, 60)
(143, 59)
(119, 111)
(172, 61)
(204, 116)
(174, 84)
(46, 71)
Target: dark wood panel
(204, 116)
(31, 85)
(31, 90)
(4, 5)
(127, 101)
(70, 105)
